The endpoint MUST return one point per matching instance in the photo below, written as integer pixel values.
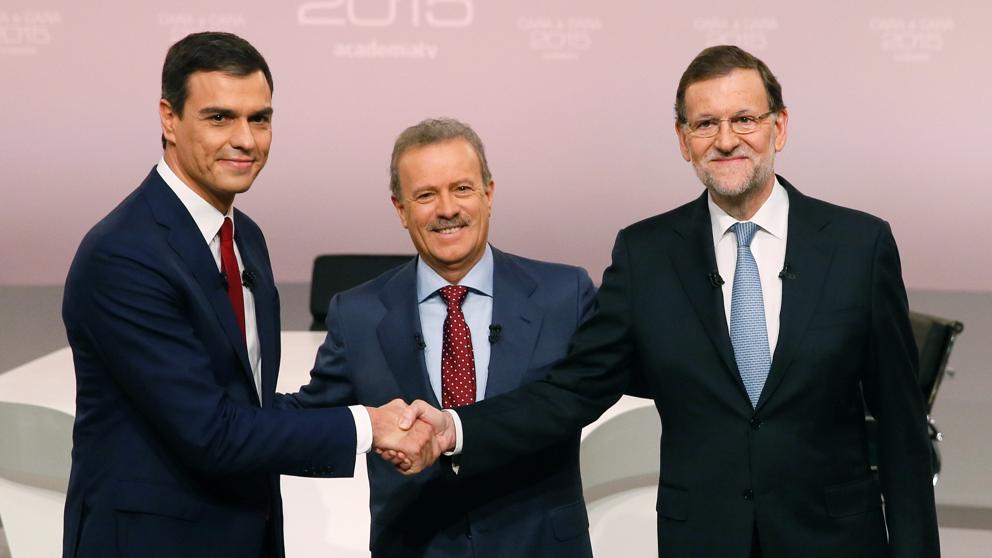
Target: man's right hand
(418, 415)
(411, 438)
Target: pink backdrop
(573, 99)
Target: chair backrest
(934, 341)
(340, 272)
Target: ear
(781, 129)
(683, 140)
(169, 119)
(400, 211)
(489, 193)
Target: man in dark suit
(756, 318)
(391, 338)
(173, 318)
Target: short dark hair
(209, 51)
(430, 132)
(718, 61)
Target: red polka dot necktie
(229, 262)
(457, 358)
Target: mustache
(457, 221)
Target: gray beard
(737, 196)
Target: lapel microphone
(418, 339)
(248, 279)
(715, 279)
(787, 273)
(495, 332)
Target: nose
(447, 206)
(726, 140)
(242, 136)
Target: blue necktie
(748, 332)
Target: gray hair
(430, 132)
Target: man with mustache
(757, 318)
(172, 314)
(461, 322)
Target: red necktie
(457, 358)
(229, 262)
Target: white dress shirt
(209, 220)
(768, 248)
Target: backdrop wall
(572, 97)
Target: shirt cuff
(363, 429)
(458, 433)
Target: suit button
(755, 423)
(748, 495)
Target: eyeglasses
(741, 124)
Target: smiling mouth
(239, 163)
(449, 230)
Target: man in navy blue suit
(404, 335)
(173, 318)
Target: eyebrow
(266, 112)
(742, 112)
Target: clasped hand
(411, 437)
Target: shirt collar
(772, 217)
(206, 216)
(479, 278)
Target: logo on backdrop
(911, 39)
(749, 33)
(557, 39)
(26, 32)
(377, 15)
(180, 24)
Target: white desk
(324, 517)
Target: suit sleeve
(136, 322)
(894, 398)
(330, 380)
(578, 389)
(586, 297)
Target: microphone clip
(715, 279)
(787, 273)
(495, 332)
(248, 279)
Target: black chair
(934, 340)
(335, 273)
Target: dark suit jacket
(172, 453)
(532, 507)
(796, 467)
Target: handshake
(411, 437)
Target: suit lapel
(399, 332)
(266, 321)
(520, 321)
(185, 239)
(808, 254)
(694, 259)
